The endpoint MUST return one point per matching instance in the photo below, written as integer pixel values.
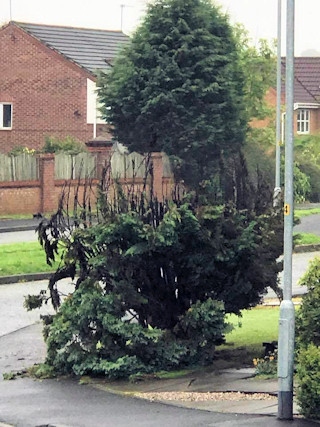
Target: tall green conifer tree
(178, 88)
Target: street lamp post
(277, 188)
(287, 317)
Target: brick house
(48, 80)
(306, 96)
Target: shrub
(67, 145)
(308, 317)
(18, 150)
(308, 343)
(266, 366)
(174, 267)
(308, 373)
(93, 334)
(312, 171)
(301, 185)
(308, 156)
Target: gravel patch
(204, 397)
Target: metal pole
(277, 188)
(122, 6)
(286, 321)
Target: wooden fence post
(48, 201)
(157, 175)
(103, 149)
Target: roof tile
(87, 47)
(306, 79)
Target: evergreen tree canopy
(156, 277)
(178, 87)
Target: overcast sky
(258, 16)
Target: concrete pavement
(14, 225)
(66, 403)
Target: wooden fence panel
(5, 168)
(23, 167)
(167, 169)
(128, 165)
(79, 166)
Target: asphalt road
(309, 224)
(65, 403)
(18, 236)
(13, 316)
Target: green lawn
(300, 213)
(257, 325)
(244, 343)
(23, 258)
(306, 239)
(16, 216)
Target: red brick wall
(29, 197)
(20, 197)
(48, 92)
(314, 121)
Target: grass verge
(306, 239)
(300, 213)
(244, 342)
(23, 258)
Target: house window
(5, 116)
(303, 121)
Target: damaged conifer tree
(155, 277)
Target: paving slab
(19, 225)
(21, 349)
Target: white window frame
(303, 121)
(2, 127)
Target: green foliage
(16, 151)
(8, 376)
(308, 317)
(178, 88)
(306, 239)
(308, 343)
(89, 335)
(212, 251)
(308, 146)
(259, 158)
(312, 171)
(308, 374)
(41, 371)
(267, 366)
(301, 184)
(154, 285)
(34, 301)
(68, 145)
(155, 277)
(258, 62)
(307, 153)
(259, 65)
